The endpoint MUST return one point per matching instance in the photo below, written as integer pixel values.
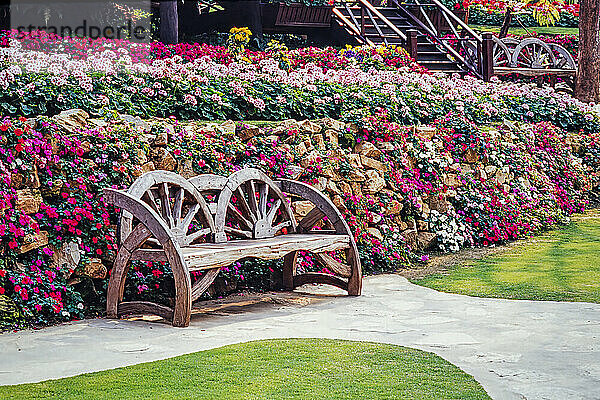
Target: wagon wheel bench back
(209, 221)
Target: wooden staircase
(379, 30)
(397, 25)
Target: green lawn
(562, 265)
(543, 30)
(272, 369)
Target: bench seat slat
(211, 255)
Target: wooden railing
(368, 12)
(465, 46)
(352, 26)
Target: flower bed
(486, 12)
(405, 191)
(257, 87)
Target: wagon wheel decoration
(470, 52)
(178, 202)
(510, 43)
(251, 206)
(564, 59)
(167, 202)
(533, 53)
(501, 53)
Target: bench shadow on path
(250, 306)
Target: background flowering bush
(319, 83)
(491, 12)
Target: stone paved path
(515, 349)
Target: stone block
(165, 160)
(248, 132)
(372, 163)
(367, 149)
(95, 269)
(331, 137)
(374, 182)
(28, 200)
(302, 208)
(471, 156)
(227, 127)
(318, 141)
(311, 158)
(72, 120)
(354, 160)
(345, 187)
(34, 241)
(394, 207)
(339, 203)
(310, 127)
(426, 132)
(426, 240)
(356, 176)
(376, 233)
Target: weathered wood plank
(316, 277)
(334, 265)
(221, 254)
(313, 216)
(534, 71)
(145, 307)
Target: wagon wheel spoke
(189, 239)
(273, 212)
(282, 225)
(177, 207)
(238, 232)
(243, 204)
(240, 219)
(250, 189)
(165, 204)
(150, 199)
(262, 199)
(309, 221)
(187, 220)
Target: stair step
(428, 54)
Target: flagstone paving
(516, 349)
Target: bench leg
(289, 270)
(116, 284)
(355, 279)
(183, 286)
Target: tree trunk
(169, 22)
(587, 87)
(506, 23)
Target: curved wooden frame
(324, 207)
(151, 224)
(154, 224)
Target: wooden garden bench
(209, 221)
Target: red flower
(1, 290)
(2, 273)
